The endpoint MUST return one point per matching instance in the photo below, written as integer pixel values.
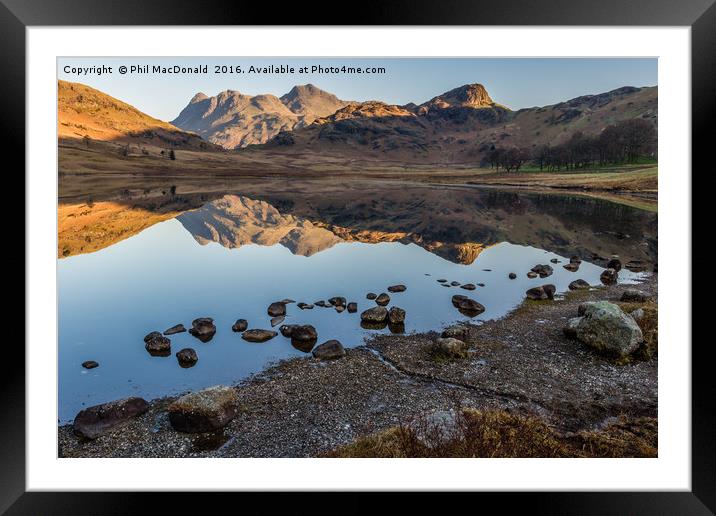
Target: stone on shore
(451, 347)
(329, 350)
(187, 357)
(178, 328)
(377, 314)
(579, 284)
(94, 421)
(257, 335)
(604, 327)
(456, 332)
(205, 410)
(614, 263)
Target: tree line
(623, 142)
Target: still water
(232, 258)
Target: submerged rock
(94, 421)
(457, 299)
(397, 288)
(258, 335)
(575, 259)
(579, 284)
(450, 347)
(340, 308)
(329, 350)
(456, 332)
(205, 410)
(305, 306)
(455, 283)
(468, 286)
(321, 303)
(90, 364)
(203, 328)
(187, 357)
(286, 330)
(512, 275)
(541, 293)
(542, 270)
(352, 307)
(383, 299)
(604, 327)
(371, 296)
(532, 274)
(377, 314)
(277, 308)
(374, 325)
(554, 260)
(157, 345)
(277, 320)
(609, 276)
(571, 267)
(240, 325)
(178, 328)
(442, 280)
(635, 296)
(396, 315)
(470, 307)
(304, 332)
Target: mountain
(461, 125)
(84, 111)
(234, 120)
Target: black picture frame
(700, 15)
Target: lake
(235, 255)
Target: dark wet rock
(383, 299)
(442, 280)
(90, 364)
(445, 285)
(179, 328)
(340, 308)
(609, 276)
(635, 296)
(276, 309)
(321, 303)
(203, 328)
(468, 286)
(304, 332)
(396, 315)
(555, 260)
(286, 330)
(450, 347)
(455, 283)
(604, 327)
(512, 275)
(352, 307)
(305, 306)
(457, 299)
(157, 345)
(575, 259)
(187, 357)
(397, 288)
(240, 325)
(571, 267)
(543, 270)
(287, 301)
(614, 263)
(532, 274)
(480, 284)
(470, 307)
(541, 293)
(304, 346)
(329, 350)
(377, 314)
(636, 266)
(374, 325)
(337, 301)
(205, 410)
(456, 332)
(275, 321)
(487, 270)
(396, 328)
(579, 284)
(94, 421)
(258, 335)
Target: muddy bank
(303, 407)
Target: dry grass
(649, 325)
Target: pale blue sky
(514, 82)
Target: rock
(635, 296)
(337, 301)
(276, 309)
(614, 263)
(157, 345)
(396, 327)
(187, 357)
(637, 314)
(480, 284)
(451, 347)
(94, 421)
(606, 328)
(570, 329)
(90, 364)
(609, 276)
(396, 315)
(340, 308)
(542, 270)
(397, 288)
(377, 314)
(320, 303)
(286, 330)
(532, 274)
(374, 325)
(205, 410)
(329, 350)
(541, 293)
(487, 270)
(240, 325)
(305, 306)
(203, 328)
(442, 280)
(456, 332)
(636, 266)
(468, 286)
(571, 267)
(579, 284)
(287, 301)
(575, 259)
(304, 332)
(470, 307)
(305, 346)
(179, 328)
(554, 260)
(512, 275)
(258, 335)
(277, 320)
(352, 307)
(383, 299)
(455, 283)
(371, 296)
(457, 299)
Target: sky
(514, 82)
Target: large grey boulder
(606, 328)
(205, 410)
(450, 347)
(94, 421)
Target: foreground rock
(205, 410)
(450, 347)
(377, 314)
(258, 335)
(541, 293)
(240, 325)
(396, 315)
(276, 309)
(609, 276)
(94, 421)
(579, 284)
(456, 332)
(157, 344)
(383, 299)
(90, 364)
(604, 327)
(203, 328)
(179, 328)
(542, 270)
(397, 288)
(187, 357)
(329, 350)
(635, 296)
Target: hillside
(86, 112)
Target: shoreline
(302, 407)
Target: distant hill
(234, 120)
(86, 112)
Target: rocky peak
(198, 97)
(469, 95)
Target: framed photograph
(418, 253)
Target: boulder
(396, 327)
(575, 259)
(604, 327)
(635, 296)
(541, 293)
(550, 290)
(377, 314)
(512, 275)
(240, 325)
(258, 335)
(450, 347)
(178, 328)
(374, 325)
(320, 303)
(337, 301)
(455, 283)
(305, 306)
(94, 421)
(203, 328)
(579, 284)
(542, 270)
(287, 301)
(286, 330)
(397, 288)
(205, 410)
(187, 357)
(571, 267)
(614, 263)
(329, 350)
(456, 332)
(532, 275)
(457, 299)
(609, 276)
(637, 314)
(352, 307)
(157, 345)
(396, 315)
(383, 299)
(340, 308)
(470, 307)
(275, 321)
(304, 332)
(371, 296)
(468, 286)
(276, 309)
(90, 364)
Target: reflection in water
(110, 299)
